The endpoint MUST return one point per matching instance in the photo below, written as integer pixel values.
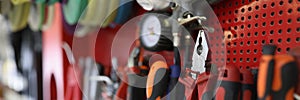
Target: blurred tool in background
(278, 75)
(296, 53)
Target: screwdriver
(157, 81)
(277, 75)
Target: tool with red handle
(277, 77)
(230, 84)
(247, 90)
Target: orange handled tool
(157, 82)
(277, 75)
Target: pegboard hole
(290, 11)
(229, 12)
(281, 3)
(264, 24)
(241, 43)
(255, 42)
(278, 49)
(272, 23)
(264, 33)
(290, 1)
(279, 40)
(289, 20)
(272, 4)
(235, 19)
(248, 59)
(256, 25)
(228, 60)
(271, 41)
(228, 44)
(256, 16)
(280, 22)
(255, 51)
(235, 35)
(298, 19)
(248, 51)
(234, 59)
(298, 9)
(249, 34)
(298, 39)
(298, 29)
(271, 32)
(272, 14)
(289, 30)
(257, 7)
(263, 41)
(236, 11)
(235, 27)
(287, 49)
(280, 12)
(234, 52)
(243, 18)
(248, 43)
(256, 33)
(264, 15)
(249, 17)
(265, 6)
(228, 51)
(236, 3)
(249, 26)
(241, 51)
(254, 59)
(242, 26)
(243, 10)
(241, 59)
(249, 8)
(242, 34)
(279, 31)
(234, 44)
(288, 40)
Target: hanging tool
(52, 57)
(72, 10)
(277, 77)
(18, 16)
(36, 15)
(111, 13)
(247, 84)
(137, 76)
(157, 81)
(73, 84)
(124, 11)
(230, 84)
(296, 53)
(92, 18)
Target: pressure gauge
(155, 32)
(154, 4)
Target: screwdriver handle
(157, 81)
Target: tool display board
(250, 24)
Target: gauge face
(150, 31)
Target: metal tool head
(200, 53)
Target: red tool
(247, 90)
(277, 75)
(230, 84)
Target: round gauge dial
(155, 33)
(150, 31)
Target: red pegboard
(250, 24)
